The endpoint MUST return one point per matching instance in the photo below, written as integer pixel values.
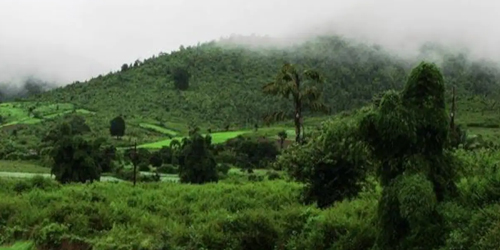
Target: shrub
(273, 175)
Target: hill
(225, 89)
(225, 81)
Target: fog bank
(64, 41)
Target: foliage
(408, 133)
(249, 153)
(282, 135)
(74, 158)
(333, 165)
(196, 163)
(181, 78)
(117, 127)
(175, 216)
(289, 83)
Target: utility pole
(452, 115)
(134, 162)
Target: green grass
(218, 137)
(19, 246)
(22, 167)
(18, 112)
(158, 129)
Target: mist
(62, 41)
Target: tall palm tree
(304, 91)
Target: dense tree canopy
(117, 127)
(407, 133)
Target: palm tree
(304, 91)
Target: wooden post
(452, 115)
(134, 162)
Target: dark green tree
(282, 135)
(181, 78)
(197, 165)
(74, 158)
(303, 89)
(407, 133)
(106, 159)
(117, 127)
(124, 67)
(333, 165)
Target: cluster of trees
(404, 140)
(74, 156)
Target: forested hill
(225, 81)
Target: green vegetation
(20, 246)
(192, 130)
(22, 167)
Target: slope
(226, 80)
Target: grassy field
(18, 112)
(19, 246)
(160, 129)
(221, 137)
(22, 167)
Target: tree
(124, 67)
(282, 135)
(304, 91)
(74, 158)
(117, 127)
(408, 133)
(196, 163)
(251, 153)
(333, 165)
(181, 78)
(106, 158)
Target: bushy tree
(74, 158)
(117, 127)
(197, 165)
(407, 133)
(249, 153)
(124, 67)
(181, 78)
(333, 165)
(282, 135)
(106, 158)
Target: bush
(273, 175)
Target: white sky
(68, 40)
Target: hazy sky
(67, 40)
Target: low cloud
(64, 41)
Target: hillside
(226, 80)
(225, 89)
